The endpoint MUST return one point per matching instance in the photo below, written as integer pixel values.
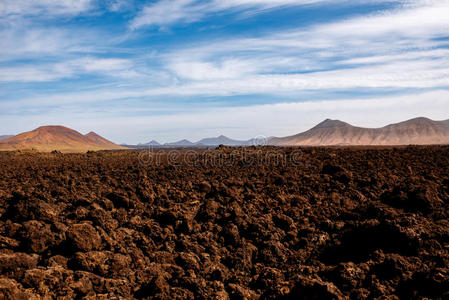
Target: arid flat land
(239, 223)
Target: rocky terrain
(266, 223)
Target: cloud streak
(51, 72)
(169, 12)
(14, 8)
(181, 82)
(381, 51)
(240, 122)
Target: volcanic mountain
(222, 140)
(152, 143)
(214, 141)
(98, 140)
(49, 138)
(181, 143)
(418, 131)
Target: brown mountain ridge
(49, 138)
(418, 131)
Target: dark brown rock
(343, 223)
(83, 237)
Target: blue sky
(134, 71)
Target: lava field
(228, 223)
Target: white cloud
(227, 69)
(28, 74)
(51, 72)
(18, 42)
(395, 57)
(394, 50)
(118, 5)
(398, 28)
(284, 119)
(43, 7)
(280, 119)
(167, 12)
(412, 74)
(27, 40)
(423, 19)
(91, 64)
(387, 50)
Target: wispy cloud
(284, 119)
(43, 7)
(167, 12)
(111, 67)
(206, 71)
(387, 50)
(119, 5)
(159, 81)
(242, 122)
(424, 74)
(19, 42)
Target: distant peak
(419, 120)
(153, 142)
(416, 122)
(331, 123)
(53, 129)
(46, 127)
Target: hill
(99, 140)
(222, 140)
(213, 141)
(418, 131)
(152, 143)
(49, 138)
(181, 143)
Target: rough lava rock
(330, 223)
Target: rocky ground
(321, 223)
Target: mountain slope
(221, 140)
(152, 143)
(99, 140)
(181, 143)
(48, 138)
(4, 137)
(419, 131)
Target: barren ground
(322, 223)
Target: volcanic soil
(254, 223)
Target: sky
(134, 71)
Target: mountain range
(182, 143)
(418, 131)
(49, 138)
(214, 141)
(152, 143)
